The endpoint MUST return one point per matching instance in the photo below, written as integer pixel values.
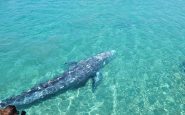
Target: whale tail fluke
(2, 104)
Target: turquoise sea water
(38, 36)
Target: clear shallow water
(38, 37)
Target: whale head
(106, 56)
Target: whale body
(74, 77)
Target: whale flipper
(96, 80)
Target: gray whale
(75, 77)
